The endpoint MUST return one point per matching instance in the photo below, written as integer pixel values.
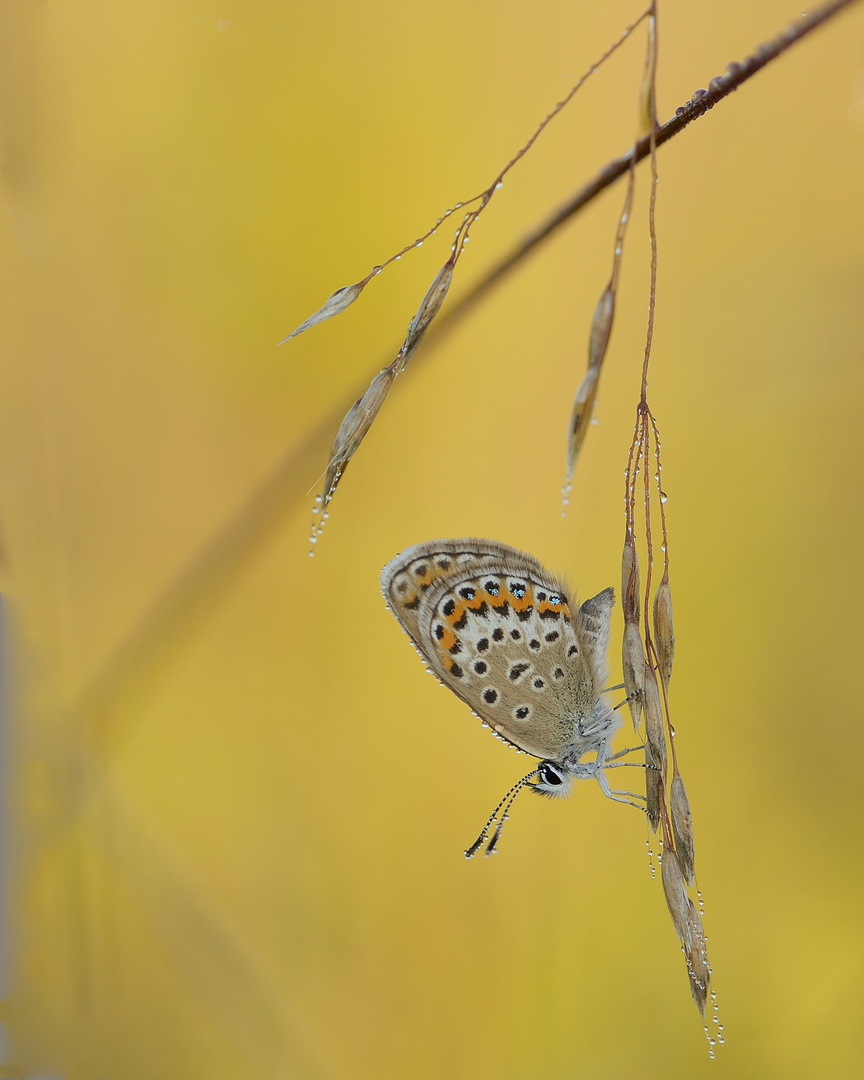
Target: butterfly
(501, 632)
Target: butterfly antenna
(506, 803)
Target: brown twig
(703, 100)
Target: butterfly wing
(496, 628)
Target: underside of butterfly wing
(498, 630)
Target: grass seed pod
(355, 426)
(601, 327)
(664, 635)
(655, 736)
(634, 665)
(429, 308)
(335, 304)
(698, 968)
(682, 827)
(630, 583)
(583, 407)
(677, 899)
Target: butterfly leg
(618, 796)
(621, 753)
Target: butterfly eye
(549, 774)
(552, 780)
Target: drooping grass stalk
(362, 414)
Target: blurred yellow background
(236, 806)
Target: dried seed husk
(664, 635)
(601, 328)
(682, 827)
(354, 427)
(698, 968)
(655, 736)
(583, 407)
(634, 665)
(630, 582)
(677, 899)
(335, 304)
(429, 308)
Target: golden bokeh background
(235, 806)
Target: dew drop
(663, 496)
